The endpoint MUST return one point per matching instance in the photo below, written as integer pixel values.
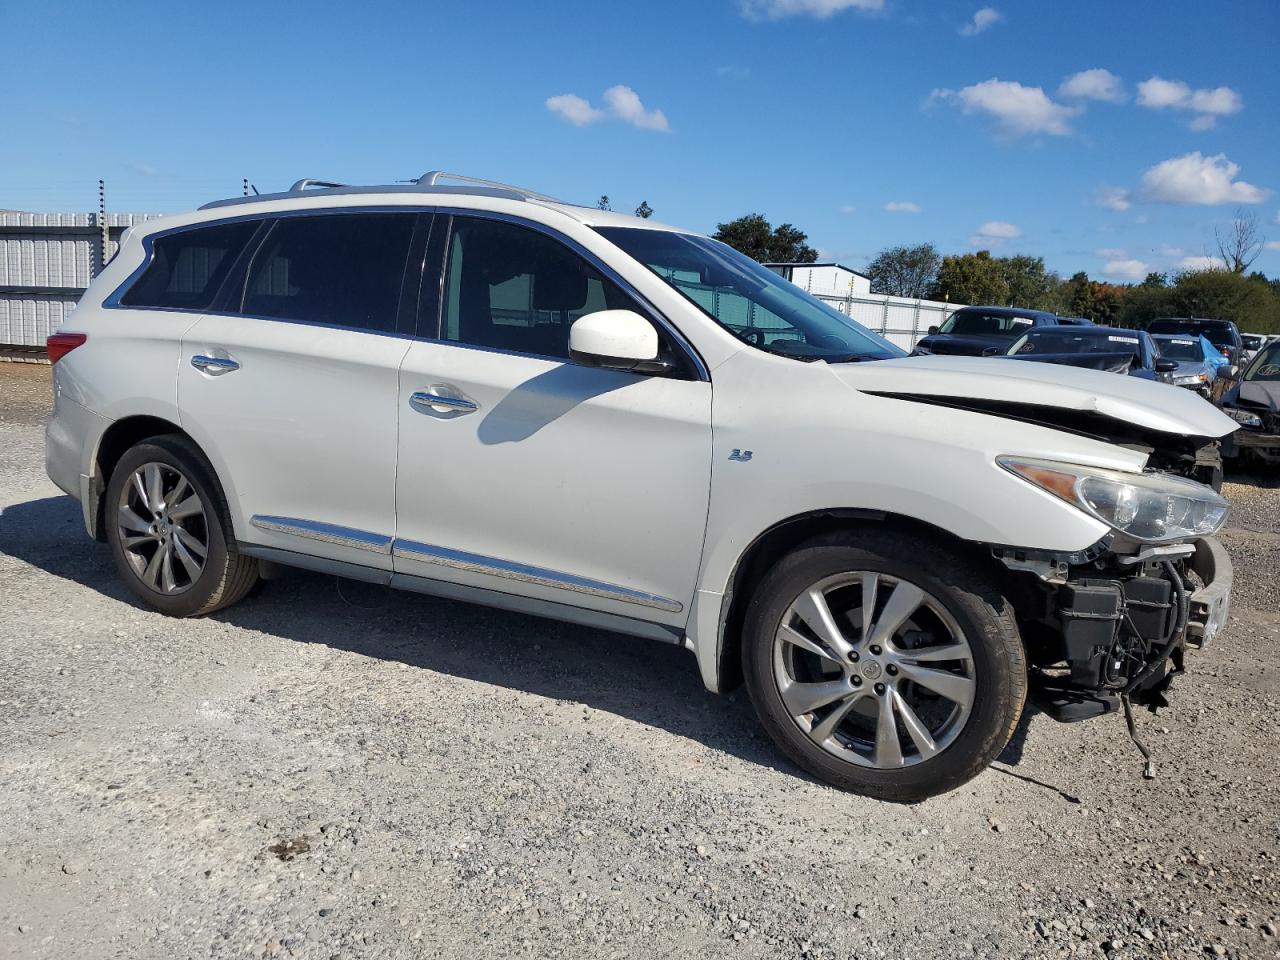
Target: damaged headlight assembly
(1243, 417)
(1146, 507)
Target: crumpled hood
(1265, 393)
(1138, 403)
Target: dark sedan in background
(983, 331)
(1252, 399)
(1112, 349)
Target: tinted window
(979, 323)
(187, 268)
(1181, 348)
(511, 288)
(344, 269)
(1068, 340)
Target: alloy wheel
(163, 528)
(874, 669)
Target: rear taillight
(60, 344)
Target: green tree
(972, 278)
(603, 202)
(905, 271)
(758, 239)
(1226, 295)
(644, 211)
(1030, 284)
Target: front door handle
(442, 402)
(214, 366)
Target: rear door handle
(214, 366)
(438, 402)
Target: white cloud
(732, 71)
(1111, 253)
(1196, 179)
(1158, 93)
(1168, 250)
(1272, 245)
(902, 206)
(624, 103)
(821, 9)
(1125, 269)
(574, 109)
(993, 233)
(1200, 263)
(1018, 109)
(847, 209)
(982, 20)
(144, 169)
(1096, 84)
(1113, 198)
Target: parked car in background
(1111, 349)
(1198, 361)
(1221, 333)
(1252, 399)
(475, 391)
(1253, 342)
(982, 331)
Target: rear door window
(341, 269)
(188, 267)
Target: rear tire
(169, 530)
(842, 694)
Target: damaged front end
(1103, 626)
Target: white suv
(477, 392)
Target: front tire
(883, 664)
(168, 529)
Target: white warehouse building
(824, 279)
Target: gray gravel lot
(334, 770)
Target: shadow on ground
(649, 682)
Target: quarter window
(511, 288)
(187, 268)
(341, 269)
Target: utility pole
(104, 233)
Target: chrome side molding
(324, 532)
(494, 567)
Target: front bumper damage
(1103, 626)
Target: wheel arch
(115, 441)
(783, 537)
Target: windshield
(1180, 349)
(751, 302)
(978, 323)
(1059, 340)
(1266, 365)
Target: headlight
(1148, 507)
(1185, 381)
(1243, 417)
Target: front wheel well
(784, 537)
(118, 438)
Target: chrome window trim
(525, 573)
(112, 301)
(324, 532)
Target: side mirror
(1166, 366)
(933, 330)
(1230, 372)
(616, 339)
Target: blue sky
(824, 113)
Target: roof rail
(434, 177)
(301, 185)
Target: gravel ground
(334, 770)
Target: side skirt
(467, 594)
